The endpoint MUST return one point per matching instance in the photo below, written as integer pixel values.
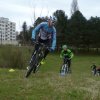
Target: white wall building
(7, 31)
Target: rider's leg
(69, 65)
(46, 42)
(46, 53)
(95, 71)
(61, 67)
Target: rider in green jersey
(66, 53)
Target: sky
(19, 11)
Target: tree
(61, 26)
(30, 34)
(24, 36)
(94, 29)
(77, 26)
(74, 7)
(24, 29)
(39, 20)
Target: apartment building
(7, 31)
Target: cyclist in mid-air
(46, 34)
(66, 53)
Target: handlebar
(42, 44)
(66, 57)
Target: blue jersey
(45, 32)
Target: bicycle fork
(32, 57)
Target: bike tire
(31, 67)
(36, 68)
(29, 71)
(64, 69)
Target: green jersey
(67, 52)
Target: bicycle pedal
(27, 67)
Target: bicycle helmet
(52, 19)
(64, 47)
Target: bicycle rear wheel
(67, 69)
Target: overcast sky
(19, 11)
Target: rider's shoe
(42, 61)
(27, 67)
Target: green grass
(47, 84)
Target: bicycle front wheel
(29, 71)
(31, 66)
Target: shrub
(13, 57)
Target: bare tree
(74, 7)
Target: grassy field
(47, 84)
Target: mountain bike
(36, 58)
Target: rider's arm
(37, 28)
(54, 40)
(71, 54)
(61, 54)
